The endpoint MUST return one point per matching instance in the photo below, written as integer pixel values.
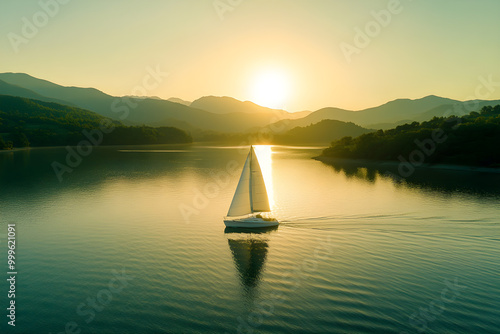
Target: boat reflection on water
(249, 248)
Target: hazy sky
(294, 54)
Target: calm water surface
(132, 241)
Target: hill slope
(86, 98)
(180, 101)
(321, 133)
(14, 90)
(473, 139)
(223, 114)
(150, 111)
(390, 114)
(27, 122)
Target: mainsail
(251, 194)
(258, 193)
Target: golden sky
(291, 54)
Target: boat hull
(252, 222)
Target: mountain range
(29, 122)
(223, 114)
(148, 111)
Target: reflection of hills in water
(249, 252)
(425, 178)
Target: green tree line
(25, 122)
(473, 139)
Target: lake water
(132, 241)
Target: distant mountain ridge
(180, 101)
(392, 113)
(225, 114)
(149, 111)
(227, 105)
(14, 90)
(86, 98)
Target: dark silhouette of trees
(25, 122)
(473, 139)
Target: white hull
(252, 222)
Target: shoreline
(194, 143)
(94, 146)
(16, 149)
(379, 164)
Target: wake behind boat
(250, 198)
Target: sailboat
(250, 198)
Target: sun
(271, 89)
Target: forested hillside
(473, 139)
(26, 122)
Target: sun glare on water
(271, 89)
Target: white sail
(260, 201)
(240, 205)
(250, 195)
